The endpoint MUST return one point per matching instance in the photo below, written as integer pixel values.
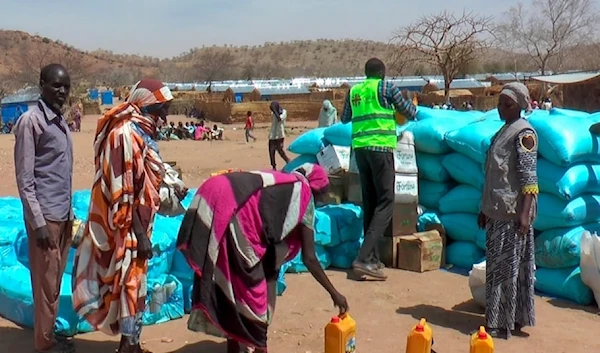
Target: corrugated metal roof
(479, 77)
(30, 94)
(242, 89)
(568, 78)
(268, 91)
(459, 84)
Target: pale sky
(165, 28)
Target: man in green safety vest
(371, 107)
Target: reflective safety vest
(372, 124)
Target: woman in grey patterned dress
(509, 204)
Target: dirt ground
(384, 311)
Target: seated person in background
(182, 132)
(217, 132)
(201, 132)
(190, 128)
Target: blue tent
(12, 106)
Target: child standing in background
(249, 127)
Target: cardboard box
(440, 229)
(404, 218)
(334, 159)
(406, 188)
(388, 251)
(420, 252)
(336, 194)
(353, 189)
(405, 157)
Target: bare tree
(214, 64)
(121, 76)
(444, 41)
(33, 58)
(547, 29)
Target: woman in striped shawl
(109, 287)
(240, 228)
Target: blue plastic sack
(180, 267)
(563, 283)
(564, 141)
(339, 134)
(310, 142)
(424, 113)
(16, 300)
(346, 223)
(480, 239)
(431, 168)
(12, 209)
(568, 183)
(464, 170)
(297, 266)
(491, 114)
(473, 140)
(164, 301)
(81, 203)
(430, 192)
(10, 232)
(343, 254)
(300, 160)
(325, 229)
(461, 199)
(463, 254)
(460, 226)
(429, 134)
(560, 247)
(281, 284)
(427, 218)
(556, 213)
(568, 112)
(407, 126)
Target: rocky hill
(22, 55)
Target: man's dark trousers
(377, 180)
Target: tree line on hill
(543, 36)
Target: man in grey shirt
(44, 169)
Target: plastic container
(225, 171)
(420, 338)
(340, 335)
(481, 342)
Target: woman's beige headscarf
(519, 93)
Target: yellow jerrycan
(481, 342)
(420, 338)
(340, 335)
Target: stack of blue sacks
(441, 171)
(569, 202)
(165, 299)
(338, 228)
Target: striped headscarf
(519, 93)
(148, 92)
(316, 176)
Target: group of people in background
(190, 131)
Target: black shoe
(518, 331)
